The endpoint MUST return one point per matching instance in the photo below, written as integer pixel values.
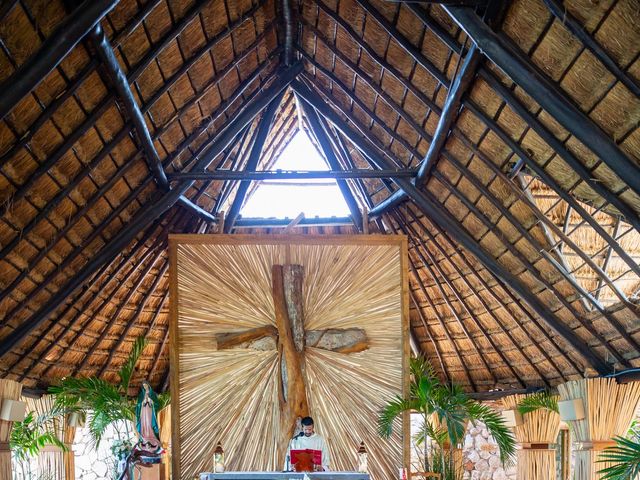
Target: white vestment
(313, 442)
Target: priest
(308, 439)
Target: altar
(284, 476)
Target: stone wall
(481, 458)
(95, 463)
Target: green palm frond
(100, 400)
(626, 459)
(497, 428)
(540, 400)
(429, 430)
(390, 412)
(164, 399)
(126, 372)
(30, 435)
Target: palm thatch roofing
(507, 132)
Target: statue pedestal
(152, 472)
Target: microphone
(301, 434)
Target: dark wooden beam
(329, 153)
(287, 18)
(539, 87)
(508, 97)
(284, 222)
(573, 25)
(264, 127)
(548, 283)
(121, 85)
(549, 180)
(255, 175)
(68, 260)
(559, 147)
(440, 215)
(197, 209)
(420, 244)
(113, 276)
(148, 213)
(438, 245)
(461, 83)
(71, 30)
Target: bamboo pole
(8, 390)
(539, 429)
(52, 460)
(609, 409)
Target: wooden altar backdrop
(223, 286)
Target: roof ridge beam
(444, 218)
(68, 34)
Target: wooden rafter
(420, 246)
(542, 90)
(571, 23)
(147, 214)
(65, 38)
(252, 162)
(443, 217)
(329, 154)
(114, 275)
(438, 246)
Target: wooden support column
(8, 390)
(609, 408)
(287, 300)
(436, 211)
(538, 431)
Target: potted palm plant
(446, 410)
(625, 457)
(105, 404)
(27, 438)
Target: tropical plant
(28, 437)
(625, 456)
(103, 403)
(445, 409)
(539, 400)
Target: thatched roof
(523, 221)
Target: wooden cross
(289, 337)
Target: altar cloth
(284, 476)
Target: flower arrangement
(121, 448)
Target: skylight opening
(288, 198)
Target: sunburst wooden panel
(222, 284)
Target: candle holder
(218, 459)
(362, 459)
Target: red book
(305, 460)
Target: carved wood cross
(290, 339)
